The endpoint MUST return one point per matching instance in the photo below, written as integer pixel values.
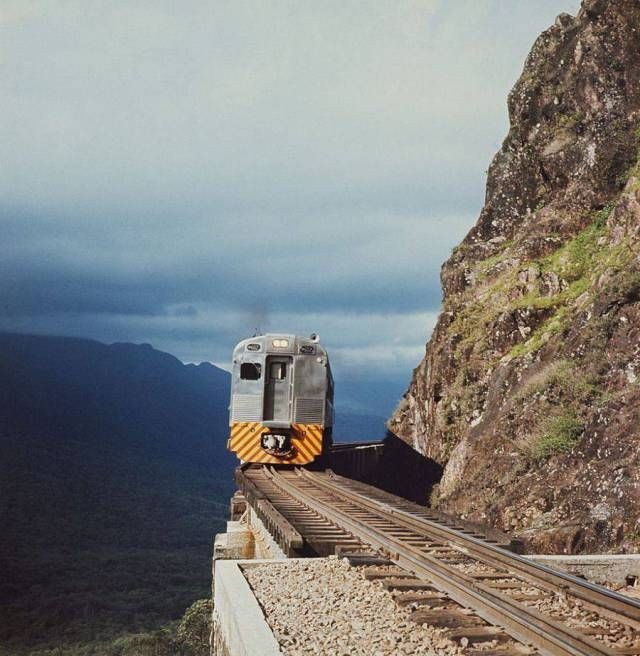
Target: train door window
(250, 371)
(278, 370)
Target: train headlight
(280, 343)
(276, 444)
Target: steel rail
(524, 624)
(606, 602)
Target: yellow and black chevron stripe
(306, 440)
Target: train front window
(250, 371)
(278, 371)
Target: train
(281, 409)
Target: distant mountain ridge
(89, 390)
(114, 477)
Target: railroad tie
(406, 598)
(523, 596)
(473, 635)
(357, 558)
(491, 575)
(407, 584)
(593, 630)
(416, 600)
(453, 619)
(373, 573)
(505, 585)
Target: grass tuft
(561, 435)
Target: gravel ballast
(325, 606)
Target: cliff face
(529, 392)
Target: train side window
(278, 371)
(250, 371)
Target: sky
(185, 173)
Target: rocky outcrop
(529, 392)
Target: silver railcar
(281, 400)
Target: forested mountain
(114, 477)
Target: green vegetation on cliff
(187, 637)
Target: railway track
(450, 577)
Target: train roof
(285, 343)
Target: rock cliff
(529, 392)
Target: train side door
(277, 389)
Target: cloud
(360, 262)
(178, 173)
